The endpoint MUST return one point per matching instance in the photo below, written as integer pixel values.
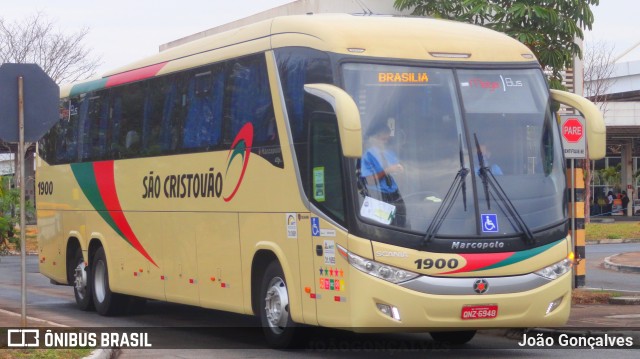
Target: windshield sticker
(489, 223)
(292, 226)
(318, 184)
(377, 210)
(403, 77)
(504, 84)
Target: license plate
(470, 312)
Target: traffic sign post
(28, 108)
(572, 129)
(573, 136)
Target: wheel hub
(80, 282)
(277, 305)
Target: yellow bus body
(204, 252)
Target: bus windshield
(456, 152)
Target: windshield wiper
(488, 179)
(449, 199)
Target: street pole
(23, 244)
(573, 215)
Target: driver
(379, 163)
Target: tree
(598, 71)
(547, 27)
(35, 39)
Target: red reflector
(336, 298)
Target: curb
(613, 241)
(103, 354)
(609, 264)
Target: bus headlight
(556, 270)
(376, 269)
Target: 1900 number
(439, 263)
(45, 188)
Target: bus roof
(371, 36)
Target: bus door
(327, 196)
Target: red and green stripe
(117, 79)
(476, 262)
(97, 181)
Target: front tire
(275, 317)
(106, 302)
(81, 282)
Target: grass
(580, 296)
(44, 353)
(617, 230)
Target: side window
(162, 118)
(52, 147)
(151, 119)
(94, 116)
(68, 144)
(203, 120)
(250, 100)
(299, 66)
(127, 117)
(326, 165)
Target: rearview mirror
(347, 114)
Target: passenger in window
(132, 140)
(379, 164)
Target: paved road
(236, 336)
(598, 277)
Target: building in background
(622, 117)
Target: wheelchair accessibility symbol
(315, 226)
(489, 223)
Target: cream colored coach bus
(371, 173)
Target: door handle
(319, 250)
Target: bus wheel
(454, 338)
(106, 302)
(81, 283)
(276, 320)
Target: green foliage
(611, 175)
(547, 27)
(9, 215)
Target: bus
(328, 170)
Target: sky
(122, 31)
(616, 25)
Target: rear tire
(453, 338)
(81, 276)
(106, 302)
(275, 317)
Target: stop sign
(41, 102)
(572, 130)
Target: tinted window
(198, 110)
(297, 67)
